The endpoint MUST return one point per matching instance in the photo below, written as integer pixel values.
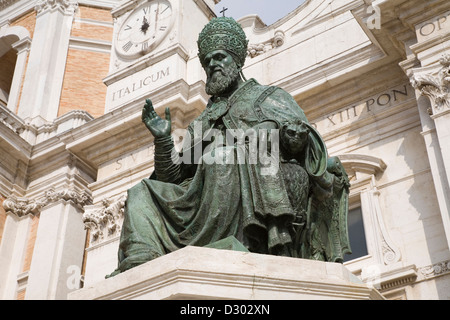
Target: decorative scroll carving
(23, 206)
(107, 221)
(255, 50)
(437, 88)
(435, 270)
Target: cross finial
(223, 11)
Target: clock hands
(145, 25)
(144, 28)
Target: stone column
(59, 247)
(13, 245)
(434, 82)
(45, 72)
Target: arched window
(14, 46)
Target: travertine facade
(372, 75)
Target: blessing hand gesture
(159, 127)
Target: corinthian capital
(106, 221)
(436, 87)
(80, 199)
(66, 6)
(22, 207)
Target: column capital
(105, 222)
(67, 6)
(22, 206)
(79, 198)
(434, 86)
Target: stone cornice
(37, 130)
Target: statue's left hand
(159, 127)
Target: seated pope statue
(251, 167)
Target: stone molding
(105, 222)
(435, 270)
(22, 206)
(437, 88)
(38, 130)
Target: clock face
(144, 29)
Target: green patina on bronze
(299, 210)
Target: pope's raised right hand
(159, 127)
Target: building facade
(373, 76)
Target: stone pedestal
(206, 273)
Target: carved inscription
(141, 84)
(434, 26)
(364, 108)
(124, 87)
(125, 162)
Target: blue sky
(268, 10)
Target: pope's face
(217, 60)
(222, 72)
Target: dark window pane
(356, 234)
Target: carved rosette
(105, 222)
(437, 88)
(22, 207)
(435, 270)
(67, 6)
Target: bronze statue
(252, 167)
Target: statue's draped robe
(213, 201)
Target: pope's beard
(222, 80)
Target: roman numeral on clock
(127, 46)
(163, 28)
(145, 46)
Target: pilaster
(433, 82)
(424, 30)
(59, 246)
(13, 244)
(48, 55)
